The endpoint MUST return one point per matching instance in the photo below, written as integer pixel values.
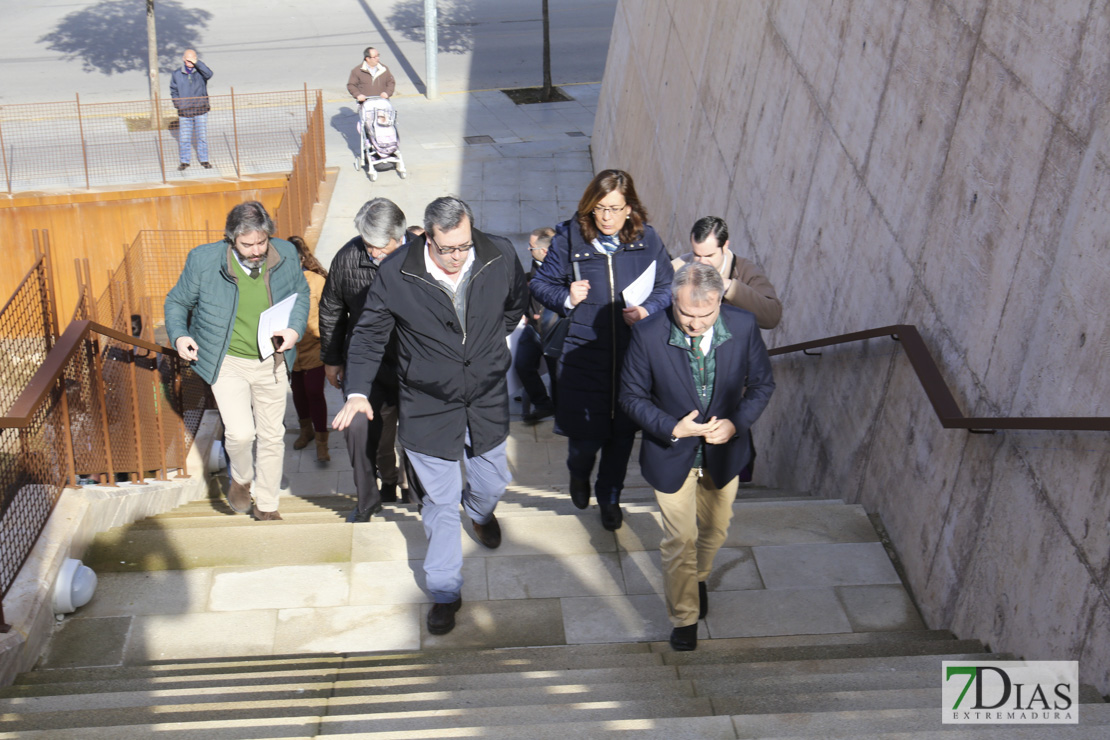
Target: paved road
(283, 44)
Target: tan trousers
(250, 395)
(695, 523)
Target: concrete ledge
(79, 516)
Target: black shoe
(684, 638)
(489, 534)
(206, 165)
(441, 617)
(580, 492)
(539, 412)
(703, 600)
(183, 166)
(611, 516)
(389, 492)
(360, 517)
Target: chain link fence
(72, 145)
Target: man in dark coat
(452, 297)
(696, 377)
(381, 229)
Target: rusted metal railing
(88, 405)
(932, 382)
(76, 144)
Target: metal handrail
(932, 382)
(42, 382)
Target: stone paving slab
(519, 622)
(879, 607)
(151, 592)
(403, 582)
(781, 612)
(618, 619)
(280, 587)
(207, 635)
(733, 570)
(347, 628)
(840, 564)
(545, 576)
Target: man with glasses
(451, 296)
(212, 318)
(370, 442)
(371, 79)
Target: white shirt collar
(437, 272)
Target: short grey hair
(446, 213)
(246, 218)
(703, 281)
(380, 220)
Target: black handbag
(554, 328)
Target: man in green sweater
(212, 318)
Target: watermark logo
(1010, 692)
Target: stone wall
(943, 164)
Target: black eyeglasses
(463, 248)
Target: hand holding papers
(274, 318)
(639, 289)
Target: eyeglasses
(607, 211)
(462, 249)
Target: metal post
(307, 117)
(431, 45)
(179, 393)
(235, 132)
(84, 149)
(7, 175)
(98, 383)
(157, 116)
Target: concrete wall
(943, 164)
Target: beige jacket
(750, 289)
(308, 348)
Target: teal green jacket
(203, 303)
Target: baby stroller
(378, 133)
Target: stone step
(878, 723)
(371, 712)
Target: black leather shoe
(580, 492)
(611, 516)
(489, 534)
(703, 600)
(539, 412)
(684, 638)
(441, 617)
(361, 517)
(389, 493)
(182, 166)
(206, 165)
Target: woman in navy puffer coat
(593, 258)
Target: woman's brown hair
(604, 183)
(308, 259)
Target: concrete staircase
(208, 625)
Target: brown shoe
(239, 497)
(489, 534)
(307, 435)
(322, 454)
(265, 516)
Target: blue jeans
(441, 480)
(615, 452)
(185, 127)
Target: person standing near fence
(189, 90)
(212, 318)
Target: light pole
(431, 44)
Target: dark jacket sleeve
(635, 393)
(551, 283)
(369, 339)
(517, 299)
(759, 382)
(333, 320)
(660, 296)
(205, 72)
(173, 88)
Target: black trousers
(369, 458)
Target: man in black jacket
(381, 229)
(452, 297)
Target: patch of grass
(142, 123)
(529, 95)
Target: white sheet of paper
(639, 289)
(272, 319)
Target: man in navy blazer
(696, 377)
